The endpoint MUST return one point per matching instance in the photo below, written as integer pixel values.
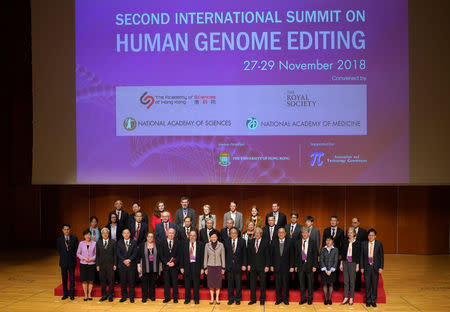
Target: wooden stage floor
(27, 280)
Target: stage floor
(28, 279)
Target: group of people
(294, 254)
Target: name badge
(349, 258)
(192, 258)
(151, 258)
(370, 260)
(303, 256)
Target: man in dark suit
(121, 214)
(235, 263)
(293, 229)
(282, 264)
(136, 206)
(127, 254)
(314, 234)
(372, 265)
(204, 233)
(171, 252)
(338, 239)
(186, 229)
(191, 266)
(162, 228)
(361, 236)
(270, 230)
(225, 232)
(67, 246)
(306, 255)
(280, 218)
(106, 264)
(138, 229)
(184, 212)
(258, 264)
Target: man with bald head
(161, 229)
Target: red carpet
(294, 295)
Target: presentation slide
(242, 92)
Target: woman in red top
(159, 208)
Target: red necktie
(138, 230)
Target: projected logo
(129, 123)
(300, 100)
(316, 159)
(147, 100)
(252, 123)
(224, 159)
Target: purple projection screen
(245, 92)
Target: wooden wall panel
(376, 207)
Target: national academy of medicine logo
(252, 123)
(129, 123)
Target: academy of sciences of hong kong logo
(252, 123)
(129, 123)
(147, 100)
(224, 159)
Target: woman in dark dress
(214, 264)
(148, 267)
(329, 257)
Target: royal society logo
(147, 100)
(252, 123)
(224, 159)
(299, 100)
(316, 159)
(129, 123)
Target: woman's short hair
(352, 229)
(87, 231)
(92, 218)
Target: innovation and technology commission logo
(129, 123)
(252, 123)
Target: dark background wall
(410, 219)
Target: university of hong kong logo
(252, 123)
(224, 159)
(129, 123)
(316, 159)
(147, 100)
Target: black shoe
(261, 302)
(368, 304)
(196, 301)
(152, 299)
(186, 301)
(131, 300)
(84, 299)
(374, 305)
(286, 302)
(357, 288)
(123, 299)
(103, 299)
(64, 297)
(251, 302)
(310, 301)
(303, 301)
(230, 302)
(72, 298)
(144, 300)
(110, 299)
(278, 302)
(90, 298)
(175, 300)
(325, 302)
(330, 302)
(238, 302)
(166, 300)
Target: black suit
(192, 270)
(123, 221)
(297, 234)
(67, 262)
(304, 267)
(142, 232)
(371, 273)
(266, 233)
(106, 259)
(127, 272)
(170, 274)
(282, 220)
(361, 236)
(204, 238)
(160, 233)
(224, 234)
(234, 261)
(118, 231)
(258, 261)
(131, 219)
(182, 233)
(337, 242)
(281, 264)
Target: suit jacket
(259, 221)
(67, 256)
(378, 256)
(106, 257)
(182, 233)
(311, 256)
(235, 261)
(142, 232)
(204, 238)
(297, 232)
(356, 250)
(261, 259)
(186, 258)
(330, 259)
(123, 254)
(166, 254)
(144, 261)
(118, 231)
(131, 219)
(123, 218)
(338, 238)
(314, 233)
(224, 234)
(282, 262)
(214, 257)
(179, 217)
(361, 236)
(282, 220)
(266, 233)
(238, 222)
(160, 233)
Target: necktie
(234, 246)
(271, 233)
(257, 246)
(191, 250)
(138, 230)
(104, 244)
(281, 248)
(118, 214)
(332, 234)
(228, 232)
(170, 245)
(166, 228)
(292, 229)
(67, 241)
(93, 233)
(187, 232)
(304, 247)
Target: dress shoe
(64, 297)
(309, 301)
(374, 304)
(261, 302)
(131, 300)
(110, 299)
(251, 302)
(123, 299)
(90, 298)
(103, 299)
(230, 302)
(238, 302)
(286, 302)
(187, 301)
(84, 299)
(278, 302)
(175, 300)
(197, 301)
(144, 300)
(166, 300)
(72, 298)
(302, 302)
(152, 299)
(368, 304)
